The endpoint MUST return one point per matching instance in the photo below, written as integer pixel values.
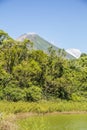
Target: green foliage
(1, 95)
(27, 72)
(33, 93)
(14, 94)
(3, 36)
(43, 106)
(23, 69)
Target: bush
(77, 97)
(1, 95)
(14, 94)
(33, 93)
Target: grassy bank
(42, 107)
(10, 112)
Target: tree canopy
(32, 75)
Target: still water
(55, 122)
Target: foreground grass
(42, 107)
(34, 123)
(54, 122)
(12, 111)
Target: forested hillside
(32, 75)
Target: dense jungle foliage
(32, 75)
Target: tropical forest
(32, 75)
(38, 82)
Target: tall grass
(41, 107)
(38, 123)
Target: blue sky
(63, 22)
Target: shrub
(77, 97)
(1, 95)
(33, 93)
(14, 94)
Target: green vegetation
(32, 75)
(33, 123)
(54, 122)
(13, 115)
(32, 81)
(42, 107)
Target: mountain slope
(75, 52)
(40, 43)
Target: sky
(62, 22)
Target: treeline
(32, 75)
